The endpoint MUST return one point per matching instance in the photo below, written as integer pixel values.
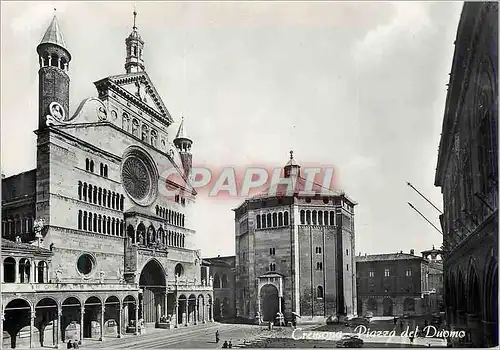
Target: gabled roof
(118, 81)
(387, 257)
(11, 246)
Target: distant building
(295, 253)
(393, 284)
(467, 172)
(221, 271)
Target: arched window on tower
(105, 170)
(280, 219)
(80, 185)
(319, 292)
(325, 221)
(79, 219)
(320, 217)
(275, 219)
(332, 218)
(308, 217)
(302, 217)
(135, 50)
(269, 220)
(87, 164)
(286, 218)
(257, 219)
(92, 166)
(314, 217)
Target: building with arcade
(93, 245)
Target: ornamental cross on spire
(135, 15)
(291, 155)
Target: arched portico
(153, 283)
(16, 322)
(270, 303)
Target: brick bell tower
(183, 144)
(53, 79)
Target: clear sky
(360, 86)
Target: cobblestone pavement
(200, 336)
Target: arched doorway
(217, 310)
(409, 304)
(387, 304)
(270, 302)
(153, 285)
(17, 321)
(372, 306)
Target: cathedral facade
(295, 253)
(93, 245)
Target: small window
(272, 251)
(272, 267)
(319, 292)
(372, 274)
(319, 266)
(347, 252)
(318, 250)
(408, 273)
(347, 267)
(387, 273)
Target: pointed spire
(181, 133)
(53, 35)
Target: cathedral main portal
(154, 288)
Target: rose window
(136, 178)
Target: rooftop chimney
(412, 251)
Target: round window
(136, 178)
(139, 177)
(85, 264)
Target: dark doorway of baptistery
(154, 286)
(270, 302)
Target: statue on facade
(141, 239)
(101, 277)
(58, 273)
(211, 282)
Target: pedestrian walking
(217, 337)
(225, 344)
(395, 321)
(230, 345)
(411, 339)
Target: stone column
(2, 318)
(165, 306)
(196, 306)
(82, 312)
(136, 318)
(186, 310)
(17, 271)
(204, 307)
(211, 311)
(120, 319)
(58, 327)
(32, 326)
(103, 309)
(33, 272)
(176, 308)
